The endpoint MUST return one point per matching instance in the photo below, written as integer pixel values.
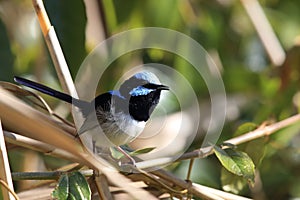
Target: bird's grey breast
(118, 127)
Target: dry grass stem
(175, 181)
(39, 146)
(6, 189)
(265, 31)
(38, 101)
(23, 119)
(219, 193)
(42, 15)
(5, 174)
(103, 187)
(55, 50)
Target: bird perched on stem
(121, 114)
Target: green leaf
(72, 186)
(237, 162)
(61, 192)
(115, 153)
(254, 148)
(79, 188)
(141, 151)
(245, 128)
(71, 197)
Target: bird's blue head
(142, 90)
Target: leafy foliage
(72, 186)
(237, 162)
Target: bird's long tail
(49, 91)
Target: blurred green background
(258, 90)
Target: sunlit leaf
(61, 192)
(79, 187)
(237, 162)
(141, 151)
(115, 153)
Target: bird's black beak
(162, 87)
(156, 86)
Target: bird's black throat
(141, 107)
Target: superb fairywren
(121, 114)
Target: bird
(121, 114)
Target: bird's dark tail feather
(49, 91)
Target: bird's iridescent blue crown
(141, 83)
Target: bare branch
(206, 151)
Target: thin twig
(264, 131)
(4, 184)
(157, 180)
(197, 189)
(206, 151)
(190, 169)
(5, 174)
(173, 180)
(44, 175)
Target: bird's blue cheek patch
(140, 90)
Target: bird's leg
(126, 155)
(94, 146)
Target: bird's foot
(131, 159)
